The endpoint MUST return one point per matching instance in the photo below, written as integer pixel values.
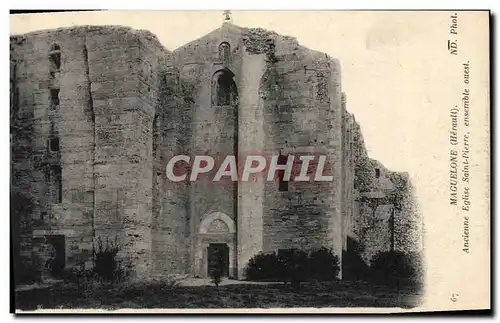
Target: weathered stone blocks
(119, 106)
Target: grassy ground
(338, 294)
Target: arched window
(225, 53)
(224, 91)
(55, 58)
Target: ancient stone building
(97, 112)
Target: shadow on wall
(25, 269)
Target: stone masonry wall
(171, 221)
(104, 128)
(22, 114)
(123, 142)
(60, 206)
(348, 171)
(377, 193)
(301, 91)
(310, 90)
(91, 136)
(213, 132)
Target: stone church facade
(98, 111)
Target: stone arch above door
(214, 223)
(215, 229)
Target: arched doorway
(216, 245)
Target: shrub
(76, 274)
(263, 267)
(353, 266)
(107, 267)
(323, 265)
(396, 268)
(294, 266)
(216, 276)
